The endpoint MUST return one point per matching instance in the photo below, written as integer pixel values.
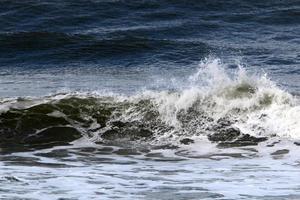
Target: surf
(229, 107)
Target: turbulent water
(106, 99)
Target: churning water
(149, 99)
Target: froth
(253, 103)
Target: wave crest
(228, 107)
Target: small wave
(47, 47)
(37, 40)
(230, 108)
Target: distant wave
(54, 46)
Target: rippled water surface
(168, 99)
(94, 172)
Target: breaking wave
(229, 107)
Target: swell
(71, 14)
(20, 41)
(54, 32)
(60, 47)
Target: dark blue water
(149, 99)
(143, 39)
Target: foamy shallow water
(200, 171)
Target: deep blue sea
(150, 99)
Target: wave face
(232, 109)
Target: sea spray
(215, 103)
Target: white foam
(214, 90)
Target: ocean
(150, 99)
